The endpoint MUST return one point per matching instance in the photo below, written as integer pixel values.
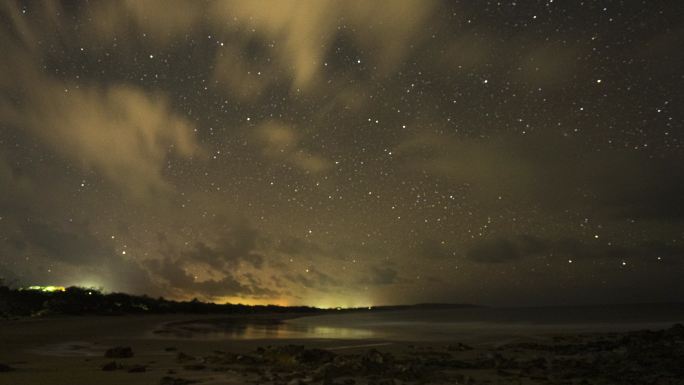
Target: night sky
(345, 153)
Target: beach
(288, 349)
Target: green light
(47, 289)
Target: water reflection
(256, 329)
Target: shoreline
(72, 351)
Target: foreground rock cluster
(641, 357)
(297, 365)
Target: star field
(345, 153)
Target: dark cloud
(229, 253)
(175, 275)
(381, 275)
(236, 247)
(496, 250)
(7, 276)
(637, 187)
(128, 275)
(598, 251)
(313, 279)
(550, 171)
(503, 250)
(237, 242)
(74, 246)
(17, 189)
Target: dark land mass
(84, 301)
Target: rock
(137, 369)
(119, 352)
(676, 330)
(288, 355)
(374, 357)
(533, 365)
(382, 381)
(374, 361)
(111, 366)
(166, 380)
(246, 359)
(291, 375)
(195, 367)
(5, 368)
(494, 360)
(182, 357)
(315, 356)
(326, 372)
(458, 347)
(170, 349)
(221, 359)
(411, 371)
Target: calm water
(467, 324)
(254, 329)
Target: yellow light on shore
(47, 289)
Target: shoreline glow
(47, 289)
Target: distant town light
(47, 289)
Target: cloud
(224, 263)
(174, 274)
(161, 20)
(237, 244)
(7, 276)
(235, 74)
(380, 276)
(77, 246)
(313, 279)
(75, 249)
(482, 164)
(229, 286)
(121, 132)
(128, 275)
(17, 192)
(283, 143)
(304, 31)
(298, 36)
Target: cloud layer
(343, 152)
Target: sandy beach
(268, 349)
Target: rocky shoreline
(639, 357)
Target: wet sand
(71, 350)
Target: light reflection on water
(218, 330)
